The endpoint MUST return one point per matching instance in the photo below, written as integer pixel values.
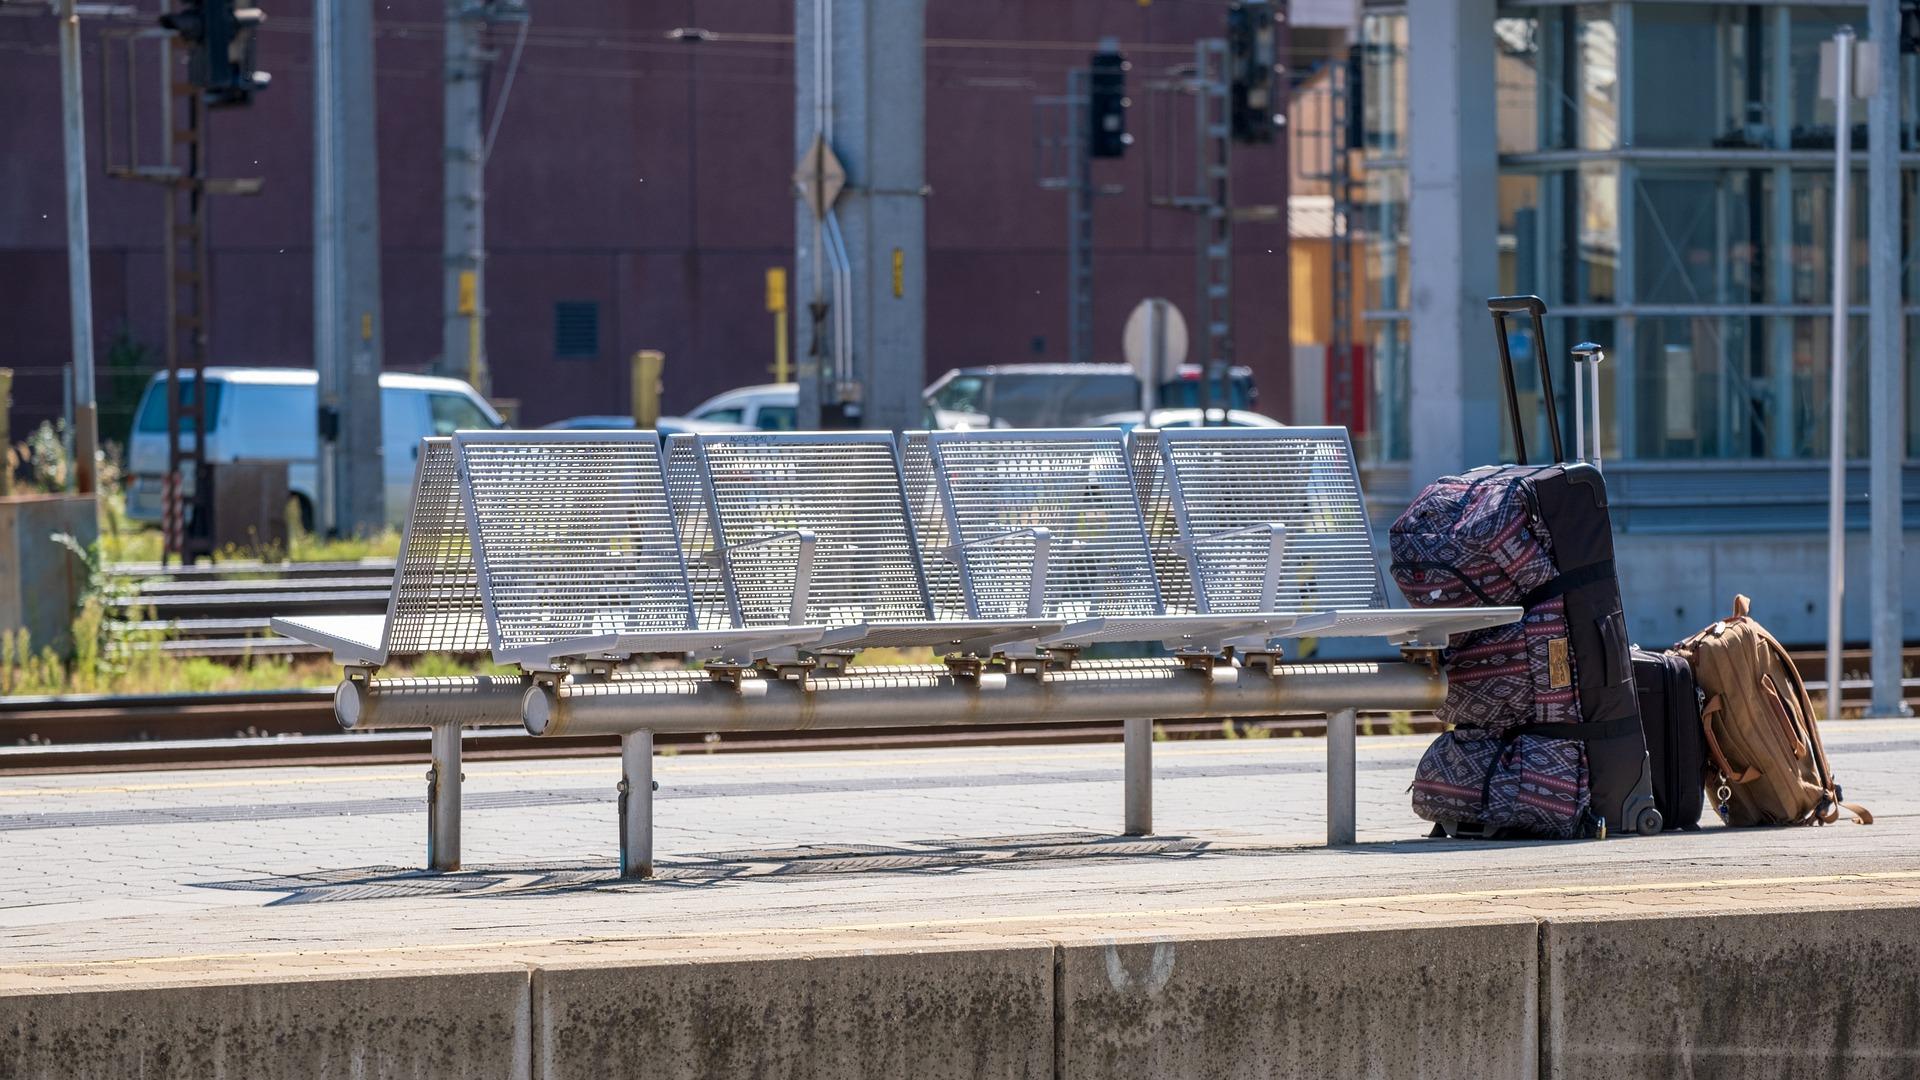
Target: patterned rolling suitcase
(1547, 738)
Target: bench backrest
(1218, 486)
(818, 512)
(435, 604)
(572, 535)
(1006, 495)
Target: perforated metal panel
(930, 528)
(573, 535)
(713, 610)
(844, 490)
(435, 606)
(1226, 479)
(1163, 531)
(998, 485)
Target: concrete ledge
(1778, 994)
(926, 1014)
(1429, 1001)
(469, 1023)
(1731, 991)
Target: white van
(271, 414)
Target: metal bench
(776, 558)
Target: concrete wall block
(979, 1013)
(1775, 994)
(471, 1025)
(1426, 1002)
(40, 580)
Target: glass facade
(1666, 184)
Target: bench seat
(354, 640)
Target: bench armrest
(1276, 534)
(1037, 575)
(802, 567)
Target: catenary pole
(1837, 393)
(79, 261)
(463, 337)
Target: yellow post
(777, 304)
(469, 306)
(648, 364)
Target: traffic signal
(1107, 105)
(1252, 60)
(222, 60)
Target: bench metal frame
(528, 512)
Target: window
(1703, 75)
(726, 416)
(1085, 399)
(775, 418)
(966, 394)
(153, 415)
(576, 329)
(456, 412)
(271, 421)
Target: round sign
(1156, 331)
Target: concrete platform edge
(1789, 991)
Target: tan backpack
(1761, 738)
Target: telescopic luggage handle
(1501, 307)
(1588, 355)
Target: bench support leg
(1139, 770)
(636, 804)
(443, 799)
(1340, 778)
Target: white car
(272, 414)
(772, 407)
(1182, 418)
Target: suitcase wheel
(1650, 822)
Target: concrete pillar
(876, 124)
(1887, 352)
(1454, 413)
(346, 294)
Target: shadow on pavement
(720, 867)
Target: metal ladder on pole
(188, 531)
(1213, 127)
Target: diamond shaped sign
(820, 177)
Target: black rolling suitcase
(1676, 744)
(1568, 734)
(1572, 501)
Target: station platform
(965, 912)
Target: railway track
(297, 727)
(221, 610)
(99, 732)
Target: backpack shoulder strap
(1830, 807)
